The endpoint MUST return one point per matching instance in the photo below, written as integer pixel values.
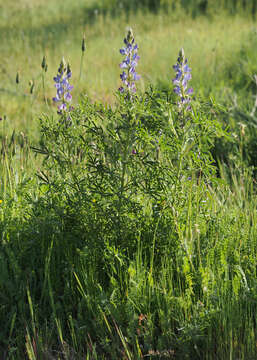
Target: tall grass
(199, 303)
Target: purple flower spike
(63, 87)
(129, 76)
(183, 75)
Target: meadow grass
(31, 30)
(116, 245)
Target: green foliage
(129, 245)
(114, 168)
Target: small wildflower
(63, 87)
(1, 201)
(129, 75)
(183, 75)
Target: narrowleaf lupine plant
(63, 95)
(183, 75)
(129, 75)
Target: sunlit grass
(32, 30)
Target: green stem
(44, 92)
(81, 65)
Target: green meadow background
(213, 37)
(159, 318)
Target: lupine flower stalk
(129, 75)
(63, 95)
(183, 75)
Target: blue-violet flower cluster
(129, 75)
(183, 75)
(63, 95)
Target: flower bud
(62, 65)
(181, 55)
(68, 69)
(130, 35)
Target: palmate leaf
(43, 176)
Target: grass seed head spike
(31, 85)
(17, 78)
(83, 45)
(44, 64)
